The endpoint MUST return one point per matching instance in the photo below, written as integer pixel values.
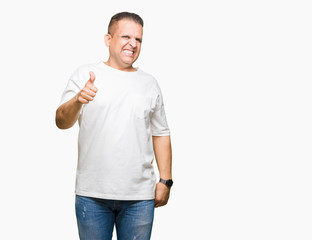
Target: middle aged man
(122, 125)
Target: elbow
(59, 122)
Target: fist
(88, 92)
(162, 193)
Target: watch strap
(168, 182)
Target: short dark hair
(124, 15)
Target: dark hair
(124, 15)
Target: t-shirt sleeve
(159, 123)
(75, 83)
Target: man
(122, 123)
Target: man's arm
(163, 154)
(68, 113)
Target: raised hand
(88, 92)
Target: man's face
(124, 43)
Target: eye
(139, 40)
(126, 37)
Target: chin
(129, 60)
(129, 63)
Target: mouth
(129, 53)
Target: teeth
(129, 52)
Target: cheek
(118, 46)
(138, 50)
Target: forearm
(163, 154)
(68, 113)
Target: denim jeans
(96, 218)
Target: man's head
(123, 15)
(124, 40)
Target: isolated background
(236, 81)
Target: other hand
(162, 193)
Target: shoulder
(82, 71)
(153, 83)
(148, 77)
(86, 67)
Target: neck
(112, 64)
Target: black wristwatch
(168, 182)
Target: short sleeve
(159, 123)
(74, 85)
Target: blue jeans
(96, 218)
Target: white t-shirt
(115, 149)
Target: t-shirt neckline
(101, 64)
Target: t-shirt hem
(161, 134)
(115, 197)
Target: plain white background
(236, 81)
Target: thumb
(92, 77)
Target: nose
(132, 42)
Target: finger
(92, 88)
(82, 100)
(86, 96)
(158, 205)
(88, 91)
(92, 77)
(91, 93)
(89, 87)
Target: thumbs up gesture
(88, 92)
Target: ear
(107, 39)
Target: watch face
(169, 183)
